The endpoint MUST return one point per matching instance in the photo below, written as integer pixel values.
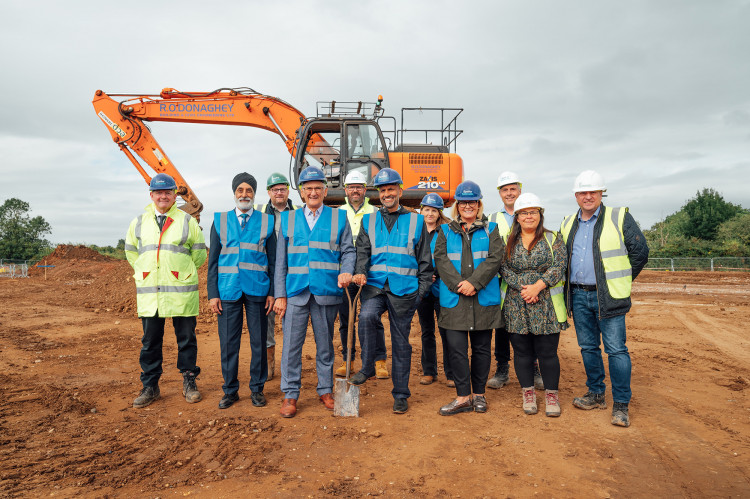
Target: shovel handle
(350, 332)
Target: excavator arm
(244, 107)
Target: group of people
(505, 273)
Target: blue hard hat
(310, 174)
(468, 191)
(162, 182)
(387, 176)
(433, 200)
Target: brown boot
(271, 355)
(288, 408)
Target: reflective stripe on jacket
(393, 256)
(614, 254)
(480, 245)
(355, 218)
(502, 224)
(313, 256)
(165, 262)
(243, 263)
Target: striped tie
(244, 219)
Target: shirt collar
(239, 213)
(309, 212)
(593, 217)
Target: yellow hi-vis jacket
(614, 254)
(165, 263)
(355, 219)
(502, 224)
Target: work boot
(538, 382)
(427, 380)
(148, 394)
(529, 400)
(271, 356)
(341, 371)
(590, 401)
(189, 388)
(500, 379)
(552, 404)
(381, 370)
(620, 414)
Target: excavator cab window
(365, 151)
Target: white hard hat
(355, 177)
(589, 180)
(506, 178)
(527, 200)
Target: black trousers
(230, 339)
(380, 351)
(427, 310)
(527, 348)
(472, 378)
(153, 339)
(502, 346)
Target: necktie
(160, 221)
(244, 219)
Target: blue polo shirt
(582, 258)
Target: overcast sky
(655, 95)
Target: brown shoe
(427, 380)
(327, 400)
(271, 356)
(381, 370)
(288, 408)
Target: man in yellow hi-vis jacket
(165, 247)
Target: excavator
(344, 136)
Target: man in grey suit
(314, 261)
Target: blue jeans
(588, 330)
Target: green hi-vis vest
(617, 270)
(165, 263)
(502, 224)
(556, 291)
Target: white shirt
(312, 216)
(239, 214)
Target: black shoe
(620, 414)
(227, 400)
(357, 378)
(500, 379)
(400, 406)
(480, 403)
(148, 394)
(590, 401)
(258, 399)
(456, 407)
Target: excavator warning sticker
(114, 126)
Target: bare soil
(69, 356)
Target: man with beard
(240, 275)
(395, 262)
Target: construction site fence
(718, 264)
(14, 268)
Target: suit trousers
(271, 335)
(502, 346)
(230, 339)
(369, 318)
(380, 351)
(153, 339)
(427, 310)
(294, 326)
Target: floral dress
(527, 267)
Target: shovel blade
(345, 399)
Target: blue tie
(244, 219)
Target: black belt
(585, 287)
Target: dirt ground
(69, 356)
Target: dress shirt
(312, 216)
(239, 214)
(582, 259)
(508, 216)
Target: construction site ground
(69, 355)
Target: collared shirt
(582, 258)
(239, 214)
(508, 216)
(312, 216)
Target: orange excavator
(343, 137)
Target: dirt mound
(80, 252)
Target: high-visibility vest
(263, 208)
(502, 224)
(165, 263)
(556, 291)
(393, 254)
(355, 218)
(243, 262)
(313, 257)
(617, 270)
(480, 247)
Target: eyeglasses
(279, 190)
(468, 203)
(313, 189)
(355, 187)
(530, 213)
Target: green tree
(734, 236)
(705, 213)
(21, 237)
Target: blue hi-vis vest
(435, 289)
(393, 254)
(480, 247)
(313, 257)
(243, 262)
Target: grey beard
(244, 204)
